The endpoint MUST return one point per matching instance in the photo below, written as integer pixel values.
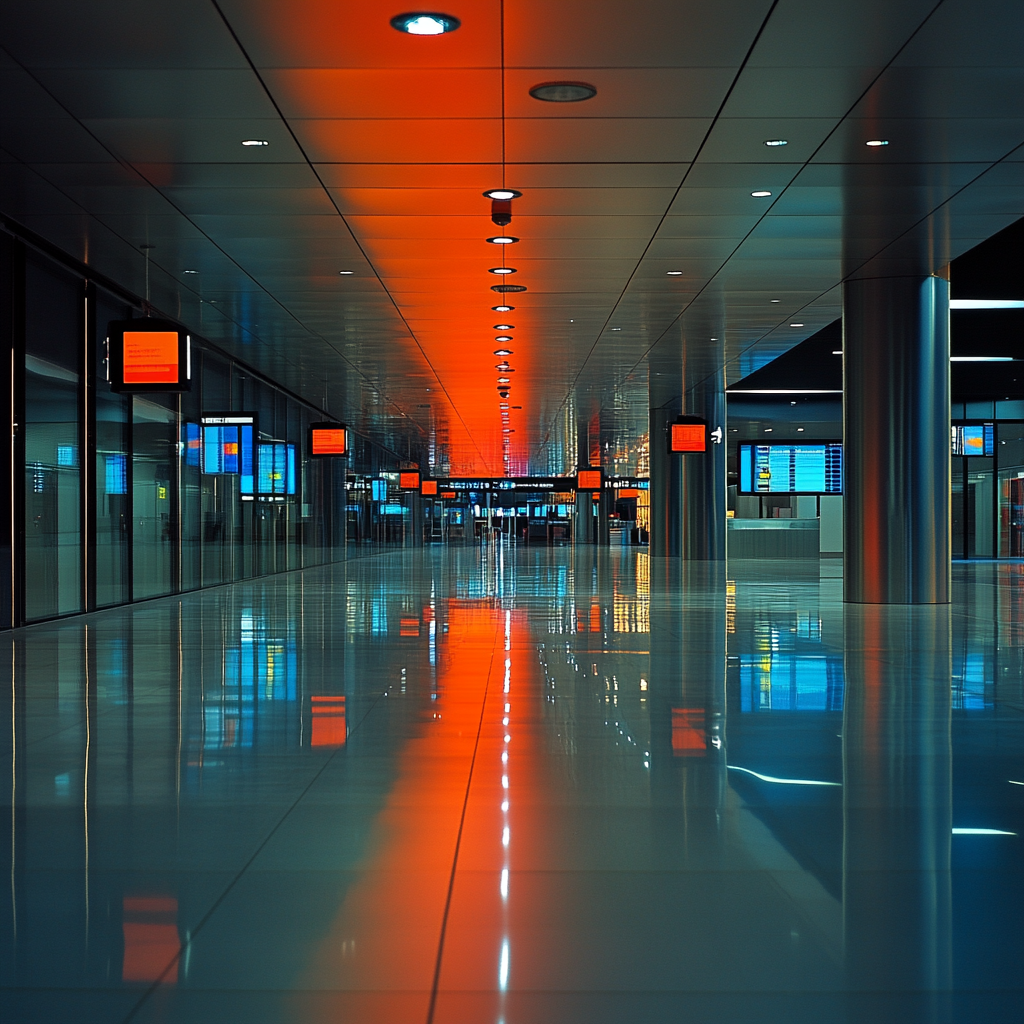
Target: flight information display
(973, 439)
(791, 468)
(276, 470)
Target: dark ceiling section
(992, 270)
(347, 258)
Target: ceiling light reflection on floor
(981, 832)
(784, 782)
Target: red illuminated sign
(409, 481)
(147, 355)
(688, 437)
(151, 357)
(328, 439)
(448, 494)
(588, 480)
(428, 487)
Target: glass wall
(54, 332)
(119, 503)
(112, 470)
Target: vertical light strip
(85, 785)
(14, 791)
(11, 491)
(83, 455)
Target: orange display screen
(151, 357)
(448, 494)
(628, 492)
(429, 487)
(588, 480)
(688, 437)
(409, 481)
(328, 441)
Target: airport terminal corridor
(518, 785)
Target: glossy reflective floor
(518, 787)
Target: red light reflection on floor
(384, 937)
(328, 722)
(150, 938)
(688, 736)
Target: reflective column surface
(518, 786)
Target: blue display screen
(973, 439)
(193, 445)
(379, 490)
(276, 468)
(115, 474)
(791, 468)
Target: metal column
(896, 434)
(703, 478)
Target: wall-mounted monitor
(148, 355)
(193, 444)
(783, 468)
(687, 434)
(275, 469)
(229, 446)
(328, 440)
(588, 480)
(409, 481)
(428, 487)
(973, 439)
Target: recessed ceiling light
(255, 142)
(796, 325)
(502, 193)
(674, 273)
(563, 92)
(503, 240)
(799, 430)
(190, 271)
(503, 337)
(425, 23)
(346, 273)
(776, 300)
(776, 142)
(501, 366)
(616, 328)
(761, 194)
(503, 309)
(502, 270)
(504, 380)
(504, 327)
(503, 351)
(877, 142)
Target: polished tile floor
(518, 787)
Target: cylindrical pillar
(897, 806)
(896, 440)
(666, 486)
(703, 477)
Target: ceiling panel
(380, 145)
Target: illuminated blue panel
(116, 474)
(246, 460)
(792, 468)
(745, 467)
(193, 444)
(290, 469)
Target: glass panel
(113, 548)
(154, 533)
(1010, 451)
(53, 532)
(980, 485)
(957, 506)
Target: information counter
(772, 538)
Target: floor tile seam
(431, 1006)
(158, 983)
